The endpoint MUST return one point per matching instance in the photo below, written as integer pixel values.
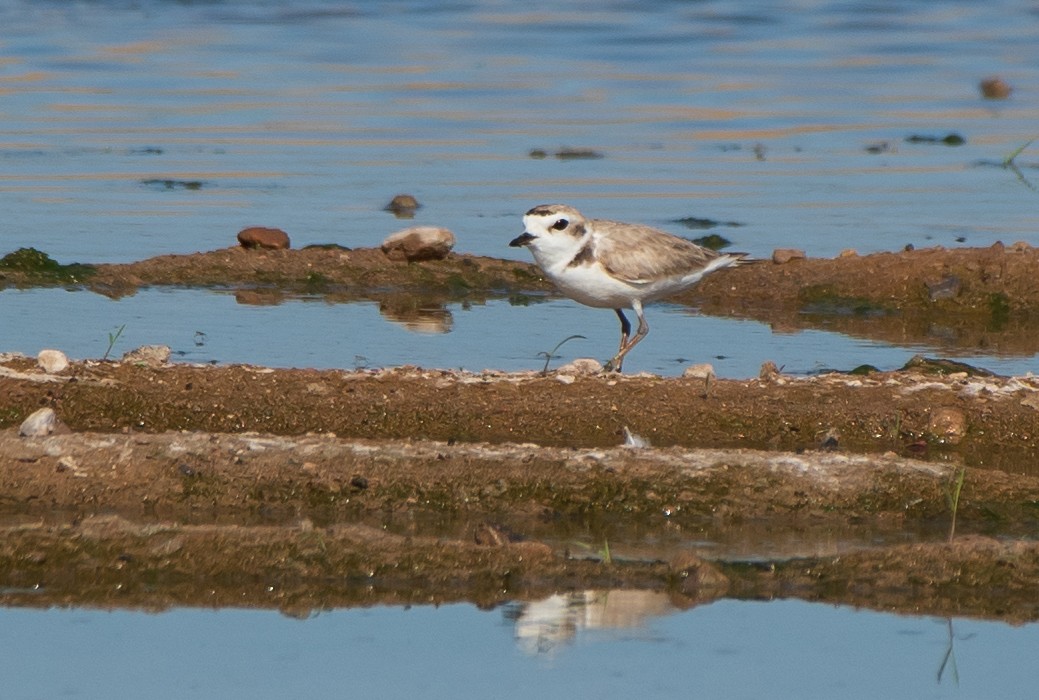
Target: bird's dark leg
(625, 329)
(614, 365)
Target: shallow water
(784, 121)
(203, 326)
(131, 129)
(608, 644)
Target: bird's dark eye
(560, 224)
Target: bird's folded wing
(642, 254)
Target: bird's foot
(613, 365)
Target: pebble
(948, 425)
(491, 535)
(151, 355)
(582, 365)
(704, 370)
(948, 288)
(262, 237)
(403, 206)
(768, 372)
(52, 361)
(697, 577)
(39, 424)
(419, 243)
(995, 88)
(781, 256)
(633, 441)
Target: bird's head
(551, 227)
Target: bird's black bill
(521, 240)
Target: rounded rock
(995, 88)
(263, 237)
(419, 243)
(39, 424)
(782, 256)
(581, 366)
(704, 370)
(52, 361)
(948, 425)
(403, 206)
(151, 355)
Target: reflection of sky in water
(495, 335)
(311, 118)
(781, 649)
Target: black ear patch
(560, 225)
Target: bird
(615, 265)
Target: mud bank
(930, 410)
(315, 522)
(955, 298)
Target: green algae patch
(38, 267)
(827, 300)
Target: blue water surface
(781, 649)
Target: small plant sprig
(952, 495)
(1009, 163)
(949, 660)
(1009, 160)
(551, 354)
(603, 553)
(112, 338)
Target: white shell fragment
(39, 424)
(52, 361)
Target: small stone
(848, 253)
(949, 287)
(568, 153)
(493, 535)
(403, 206)
(995, 88)
(69, 464)
(948, 425)
(419, 243)
(262, 237)
(632, 440)
(52, 361)
(768, 372)
(39, 424)
(151, 355)
(581, 366)
(697, 577)
(829, 440)
(704, 371)
(1031, 401)
(781, 256)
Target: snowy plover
(613, 265)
